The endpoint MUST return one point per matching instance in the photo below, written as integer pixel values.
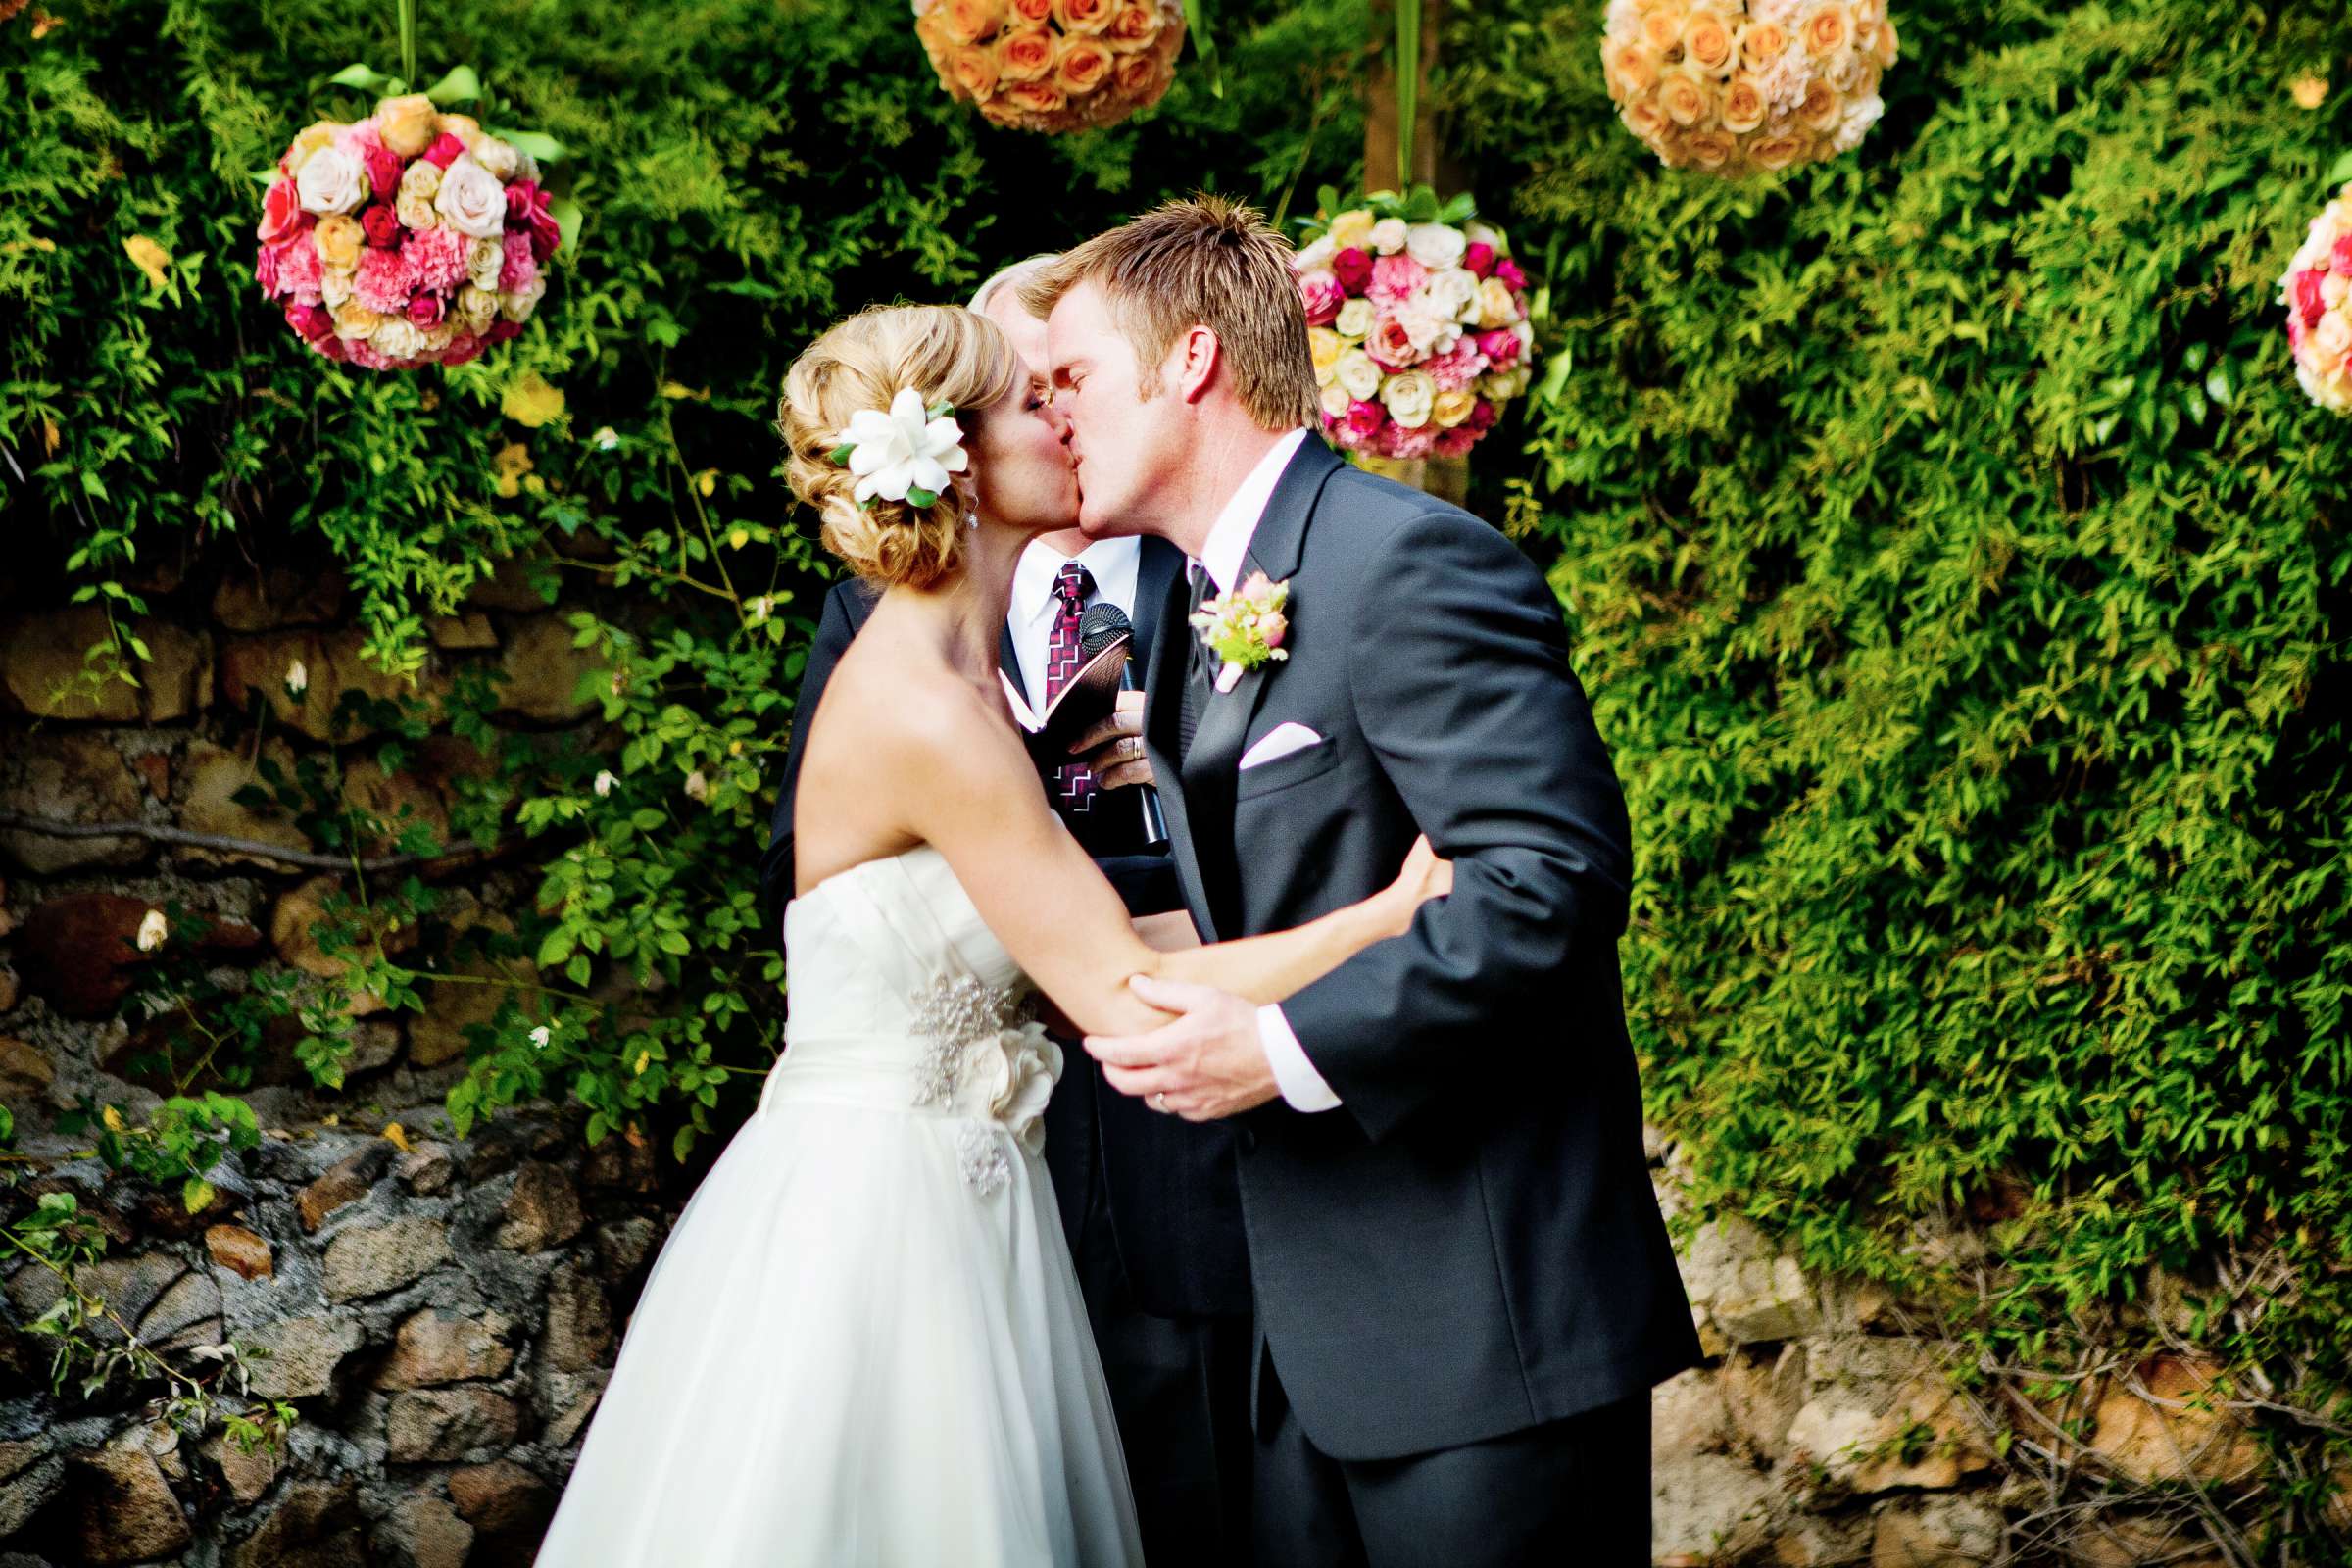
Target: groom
(1463, 1285)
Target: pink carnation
(298, 267)
(1418, 442)
(2307, 296)
(1354, 269)
(1322, 295)
(520, 267)
(1479, 259)
(1499, 346)
(281, 212)
(385, 282)
(1456, 442)
(264, 269)
(1459, 365)
(1395, 280)
(367, 356)
(436, 256)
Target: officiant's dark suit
(1148, 1201)
(1464, 1286)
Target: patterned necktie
(1196, 666)
(1073, 784)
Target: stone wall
(442, 1312)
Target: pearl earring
(971, 519)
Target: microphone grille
(1102, 624)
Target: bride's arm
(969, 791)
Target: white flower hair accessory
(903, 454)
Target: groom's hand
(1205, 1064)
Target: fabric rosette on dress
(991, 1063)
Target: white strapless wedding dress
(864, 1343)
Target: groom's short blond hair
(1203, 262)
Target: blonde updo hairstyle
(946, 354)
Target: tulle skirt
(849, 1353)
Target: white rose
(1477, 233)
(2332, 289)
(400, 337)
(1424, 326)
(1358, 374)
(2334, 335)
(335, 284)
(1409, 396)
(331, 182)
(1435, 246)
(154, 930)
(486, 260)
(1335, 400)
(1355, 319)
(1454, 294)
(1388, 236)
(517, 306)
(501, 158)
(478, 305)
(470, 199)
(1317, 256)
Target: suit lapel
(1160, 564)
(1009, 655)
(1212, 770)
(1163, 690)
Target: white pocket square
(1279, 742)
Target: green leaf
(568, 218)
(458, 86)
(841, 454)
(538, 143)
(1204, 47)
(366, 79)
(2340, 171)
(195, 1194)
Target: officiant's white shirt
(1113, 563)
(1222, 554)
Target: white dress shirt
(1113, 563)
(1228, 543)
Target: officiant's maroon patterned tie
(1073, 784)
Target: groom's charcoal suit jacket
(1469, 1244)
(1169, 1183)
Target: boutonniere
(1246, 626)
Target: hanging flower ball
(1739, 87)
(411, 238)
(1052, 64)
(1417, 318)
(2319, 322)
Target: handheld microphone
(1102, 624)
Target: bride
(864, 1343)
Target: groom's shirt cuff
(1302, 1088)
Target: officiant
(1150, 1203)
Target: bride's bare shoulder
(906, 707)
